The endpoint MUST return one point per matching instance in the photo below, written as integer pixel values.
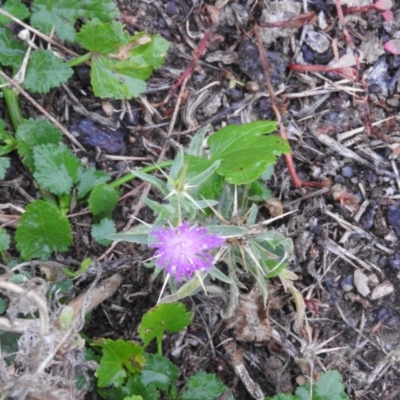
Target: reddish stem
(346, 72)
(189, 69)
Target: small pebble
(93, 135)
(367, 219)
(393, 103)
(394, 218)
(382, 290)
(171, 8)
(361, 283)
(347, 284)
(383, 314)
(393, 322)
(347, 171)
(395, 261)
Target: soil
(345, 138)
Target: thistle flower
(184, 250)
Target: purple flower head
(184, 250)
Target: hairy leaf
(56, 168)
(62, 15)
(45, 71)
(41, 231)
(88, 179)
(12, 51)
(203, 386)
(101, 230)
(102, 38)
(328, 387)
(4, 240)
(15, 8)
(4, 164)
(33, 133)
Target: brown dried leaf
(250, 320)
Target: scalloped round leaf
(203, 386)
(159, 371)
(12, 51)
(4, 164)
(56, 168)
(102, 200)
(246, 150)
(118, 79)
(171, 317)
(61, 15)
(103, 38)
(153, 52)
(45, 71)
(4, 240)
(42, 230)
(15, 8)
(88, 179)
(119, 358)
(35, 132)
(101, 230)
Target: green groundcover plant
(210, 213)
(207, 225)
(126, 371)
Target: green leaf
(152, 53)
(58, 14)
(33, 133)
(45, 71)
(15, 8)
(328, 387)
(138, 234)
(187, 289)
(41, 231)
(62, 15)
(235, 146)
(104, 10)
(102, 200)
(103, 38)
(159, 371)
(103, 229)
(133, 387)
(10, 143)
(4, 165)
(258, 191)
(119, 358)
(56, 168)
(203, 386)
(162, 318)
(211, 186)
(283, 396)
(4, 240)
(12, 51)
(88, 179)
(118, 79)
(3, 307)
